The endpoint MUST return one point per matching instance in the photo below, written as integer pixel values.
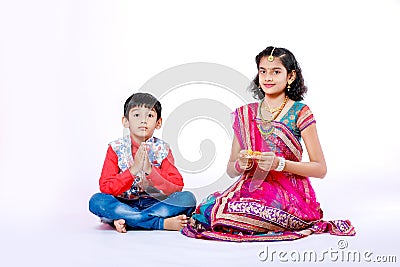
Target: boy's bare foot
(120, 225)
(175, 223)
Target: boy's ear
(159, 123)
(125, 122)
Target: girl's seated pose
(273, 199)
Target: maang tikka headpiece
(271, 57)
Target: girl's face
(273, 76)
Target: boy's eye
(136, 115)
(151, 115)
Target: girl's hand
(244, 161)
(267, 161)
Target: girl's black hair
(297, 88)
(142, 100)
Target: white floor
(66, 67)
(77, 238)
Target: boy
(140, 186)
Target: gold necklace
(266, 127)
(273, 110)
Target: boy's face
(141, 123)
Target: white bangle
(281, 164)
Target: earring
(288, 87)
(259, 86)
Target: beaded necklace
(265, 126)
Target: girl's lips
(268, 85)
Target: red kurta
(114, 182)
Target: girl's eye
(262, 71)
(276, 72)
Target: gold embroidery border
(229, 237)
(288, 143)
(303, 117)
(246, 126)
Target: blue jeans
(142, 213)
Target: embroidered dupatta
(266, 206)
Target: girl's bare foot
(192, 222)
(175, 223)
(120, 225)
(305, 232)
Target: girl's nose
(268, 78)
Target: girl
(273, 199)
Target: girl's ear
(159, 123)
(125, 122)
(292, 76)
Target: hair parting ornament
(271, 57)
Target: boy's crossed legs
(144, 213)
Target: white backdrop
(66, 68)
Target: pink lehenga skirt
(235, 216)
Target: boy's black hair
(297, 88)
(142, 100)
